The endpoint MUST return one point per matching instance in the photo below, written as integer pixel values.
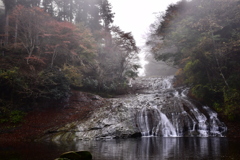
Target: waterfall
(167, 111)
(155, 109)
(152, 122)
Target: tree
(64, 10)
(9, 5)
(118, 61)
(68, 43)
(28, 25)
(126, 49)
(48, 6)
(88, 12)
(106, 14)
(198, 37)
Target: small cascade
(152, 122)
(145, 120)
(168, 112)
(216, 126)
(165, 127)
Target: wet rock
(158, 110)
(106, 123)
(79, 155)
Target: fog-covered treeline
(201, 38)
(50, 46)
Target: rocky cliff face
(116, 120)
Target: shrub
(15, 116)
(52, 84)
(73, 75)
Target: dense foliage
(201, 38)
(48, 47)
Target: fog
(157, 68)
(136, 16)
(1, 4)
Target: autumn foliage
(46, 52)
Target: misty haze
(72, 86)
(157, 68)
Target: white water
(155, 109)
(168, 112)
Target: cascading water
(168, 112)
(155, 109)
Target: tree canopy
(48, 47)
(201, 38)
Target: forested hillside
(49, 47)
(202, 38)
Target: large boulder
(78, 155)
(114, 121)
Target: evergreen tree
(48, 6)
(106, 14)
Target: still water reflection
(156, 148)
(145, 148)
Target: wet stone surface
(156, 109)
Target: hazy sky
(136, 16)
(1, 3)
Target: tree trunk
(16, 34)
(6, 29)
(71, 11)
(54, 56)
(30, 51)
(216, 59)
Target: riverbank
(42, 121)
(233, 130)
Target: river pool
(144, 148)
